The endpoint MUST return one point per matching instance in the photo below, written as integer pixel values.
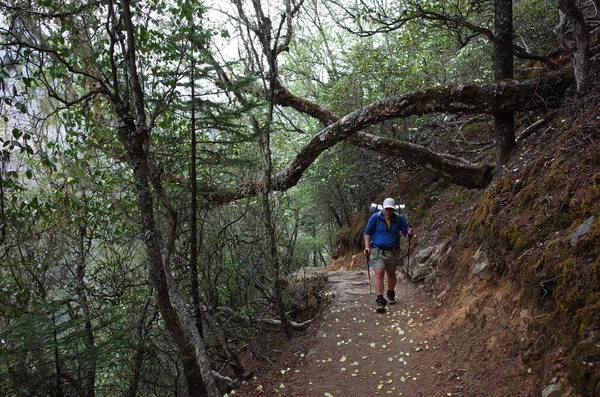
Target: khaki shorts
(384, 259)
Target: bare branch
(266, 321)
(454, 169)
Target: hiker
(382, 246)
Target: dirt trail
(358, 352)
(419, 347)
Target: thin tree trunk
(272, 256)
(194, 208)
(314, 254)
(138, 358)
(268, 173)
(3, 231)
(265, 36)
(88, 340)
(135, 136)
(59, 390)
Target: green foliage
(73, 259)
(534, 22)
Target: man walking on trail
(382, 246)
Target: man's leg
(391, 282)
(378, 281)
(391, 265)
(378, 264)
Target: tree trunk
(272, 256)
(88, 339)
(580, 50)
(135, 136)
(193, 211)
(139, 355)
(59, 390)
(504, 122)
(153, 243)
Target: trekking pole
(407, 268)
(369, 273)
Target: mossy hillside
(527, 218)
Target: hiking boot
(381, 302)
(391, 297)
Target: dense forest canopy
(166, 164)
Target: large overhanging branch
(454, 169)
(520, 94)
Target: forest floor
(416, 348)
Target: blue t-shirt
(381, 236)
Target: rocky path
(358, 352)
